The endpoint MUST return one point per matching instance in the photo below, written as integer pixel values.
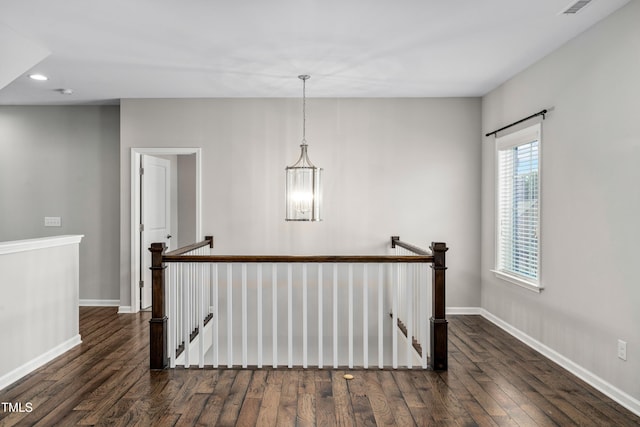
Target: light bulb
(302, 201)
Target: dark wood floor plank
(192, 409)
(216, 400)
(207, 381)
(412, 397)
(257, 385)
(248, 415)
(468, 401)
(189, 379)
(325, 408)
(491, 386)
(446, 398)
(166, 385)
(576, 393)
(380, 406)
(539, 392)
(398, 406)
(530, 386)
(271, 400)
(341, 400)
(424, 384)
(493, 379)
(516, 405)
(287, 409)
(56, 407)
(509, 385)
(306, 399)
(362, 410)
(234, 400)
(117, 390)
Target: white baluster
(229, 316)
(409, 304)
(320, 338)
(259, 322)
(350, 314)
(274, 303)
(201, 315)
(335, 316)
(394, 319)
(186, 315)
(422, 283)
(171, 322)
(244, 315)
(429, 308)
(216, 317)
(304, 315)
(179, 306)
(290, 315)
(380, 317)
(365, 317)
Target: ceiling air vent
(575, 7)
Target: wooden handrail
(208, 241)
(395, 241)
(301, 258)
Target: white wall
(63, 161)
(409, 167)
(39, 304)
(590, 200)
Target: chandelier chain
(304, 78)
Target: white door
(156, 216)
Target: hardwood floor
(493, 379)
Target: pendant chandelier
(304, 179)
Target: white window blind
(518, 251)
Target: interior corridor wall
(408, 167)
(590, 202)
(63, 161)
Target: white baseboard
(614, 393)
(99, 302)
(32, 365)
(125, 309)
(463, 311)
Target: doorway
(155, 208)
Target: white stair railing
(188, 299)
(281, 311)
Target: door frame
(135, 208)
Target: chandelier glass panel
(304, 179)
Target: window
(518, 207)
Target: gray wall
(590, 200)
(392, 166)
(63, 161)
(187, 200)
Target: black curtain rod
(540, 113)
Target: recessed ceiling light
(39, 77)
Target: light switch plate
(622, 350)
(52, 221)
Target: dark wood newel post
(158, 354)
(438, 321)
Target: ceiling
(107, 50)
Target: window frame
(522, 136)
